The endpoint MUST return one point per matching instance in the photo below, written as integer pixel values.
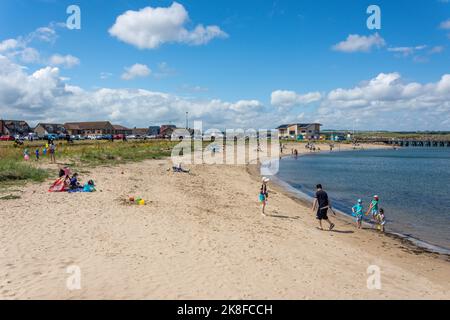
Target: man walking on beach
(321, 205)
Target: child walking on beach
(37, 152)
(264, 195)
(373, 208)
(358, 213)
(381, 221)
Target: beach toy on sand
(131, 199)
(142, 202)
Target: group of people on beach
(322, 205)
(49, 148)
(68, 182)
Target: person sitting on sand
(321, 205)
(179, 169)
(264, 194)
(89, 186)
(358, 212)
(74, 184)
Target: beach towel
(58, 186)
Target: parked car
(7, 138)
(50, 136)
(118, 136)
(131, 137)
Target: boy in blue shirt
(358, 213)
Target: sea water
(413, 185)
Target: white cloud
(282, 99)
(384, 102)
(445, 25)
(150, 28)
(357, 43)
(10, 44)
(406, 51)
(136, 71)
(67, 61)
(44, 96)
(387, 102)
(20, 48)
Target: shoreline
(199, 236)
(307, 200)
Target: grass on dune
(81, 154)
(12, 170)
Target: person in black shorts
(320, 207)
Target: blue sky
(262, 47)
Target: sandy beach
(200, 236)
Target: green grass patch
(11, 170)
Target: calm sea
(413, 184)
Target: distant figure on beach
(358, 213)
(264, 195)
(381, 221)
(52, 152)
(373, 208)
(296, 153)
(37, 152)
(320, 207)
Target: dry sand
(200, 236)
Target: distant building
(154, 131)
(140, 132)
(14, 127)
(166, 131)
(89, 128)
(118, 129)
(304, 131)
(43, 129)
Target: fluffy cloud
(44, 96)
(357, 43)
(282, 98)
(150, 28)
(20, 48)
(445, 25)
(67, 61)
(387, 102)
(406, 51)
(136, 71)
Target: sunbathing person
(74, 184)
(180, 169)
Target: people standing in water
(264, 195)
(52, 150)
(358, 212)
(321, 205)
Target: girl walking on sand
(264, 195)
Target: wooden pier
(423, 142)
